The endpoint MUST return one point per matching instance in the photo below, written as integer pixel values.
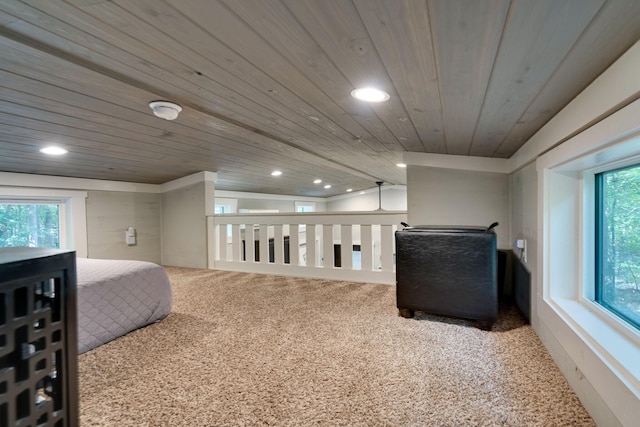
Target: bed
(116, 297)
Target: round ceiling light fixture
(370, 94)
(165, 109)
(53, 151)
(276, 173)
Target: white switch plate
(522, 245)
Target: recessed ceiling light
(276, 173)
(53, 151)
(362, 192)
(370, 94)
(401, 165)
(327, 186)
(349, 190)
(317, 181)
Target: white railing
(356, 246)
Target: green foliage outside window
(34, 225)
(618, 248)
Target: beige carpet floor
(256, 350)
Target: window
(44, 218)
(225, 206)
(618, 242)
(221, 209)
(29, 224)
(305, 206)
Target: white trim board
(449, 161)
(188, 180)
(10, 179)
(615, 88)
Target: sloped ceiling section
(265, 84)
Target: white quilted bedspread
(116, 297)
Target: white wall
(393, 199)
(287, 205)
(110, 213)
(184, 225)
(276, 202)
(444, 196)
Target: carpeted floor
(254, 350)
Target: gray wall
(523, 186)
(184, 225)
(110, 213)
(439, 196)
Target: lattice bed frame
(38, 338)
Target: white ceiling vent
(165, 110)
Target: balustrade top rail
(320, 218)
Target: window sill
(615, 343)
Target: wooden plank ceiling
(265, 84)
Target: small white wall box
(522, 245)
(130, 236)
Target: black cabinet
(38, 338)
(448, 271)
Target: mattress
(118, 296)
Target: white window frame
(72, 215)
(566, 255)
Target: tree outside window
(34, 225)
(618, 245)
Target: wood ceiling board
(368, 116)
(261, 81)
(338, 29)
(610, 41)
(129, 149)
(76, 106)
(78, 164)
(60, 127)
(258, 51)
(155, 157)
(273, 21)
(27, 148)
(402, 37)
(132, 150)
(110, 88)
(317, 143)
(537, 37)
(69, 165)
(181, 87)
(466, 37)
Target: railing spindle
(346, 246)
